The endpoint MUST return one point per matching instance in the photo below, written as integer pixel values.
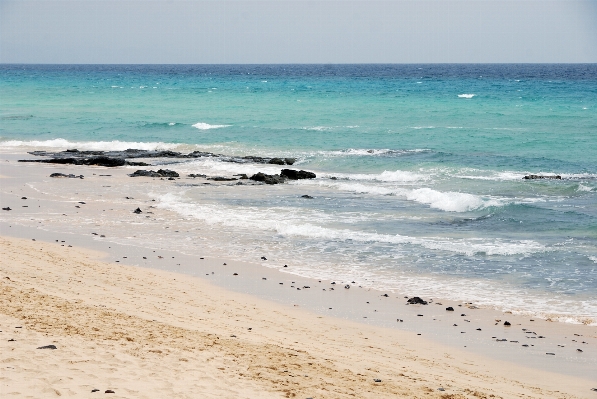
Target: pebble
(47, 347)
(377, 380)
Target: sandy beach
(147, 324)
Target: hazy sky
(297, 31)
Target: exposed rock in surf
(268, 179)
(194, 175)
(220, 178)
(277, 161)
(151, 173)
(306, 196)
(535, 177)
(297, 174)
(416, 301)
(241, 176)
(97, 160)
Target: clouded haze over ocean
(474, 31)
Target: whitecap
(466, 95)
(60, 143)
(207, 126)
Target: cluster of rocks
(151, 173)
(119, 158)
(285, 174)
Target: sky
(298, 31)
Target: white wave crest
(449, 201)
(87, 145)
(207, 126)
(295, 224)
(466, 95)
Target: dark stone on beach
(416, 301)
(95, 390)
(507, 323)
(347, 286)
(7, 209)
(535, 177)
(277, 161)
(137, 211)
(193, 175)
(450, 309)
(242, 176)
(23, 197)
(109, 391)
(220, 178)
(70, 175)
(235, 274)
(386, 295)
(151, 173)
(297, 174)
(550, 353)
(101, 160)
(306, 196)
(377, 380)
(263, 258)
(268, 179)
(48, 347)
(131, 163)
(170, 178)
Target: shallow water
(419, 167)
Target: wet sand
(342, 339)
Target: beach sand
(153, 334)
(202, 331)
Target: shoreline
(367, 307)
(135, 320)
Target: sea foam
(207, 126)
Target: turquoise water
(428, 163)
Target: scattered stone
(507, 323)
(23, 197)
(242, 176)
(263, 258)
(48, 347)
(95, 390)
(347, 286)
(138, 211)
(377, 380)
(306, 196)
(416, 301)
(297, 174)
(11, 340)
(193, 175)
(7, 209)
(550, 353)
(579, 350)
(109, 391)
(385, 295)
(235, 274)
(441, 389)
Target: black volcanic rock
(268, 179)
(416, 301)
(297, 174)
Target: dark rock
(70, 175)
(306, 196)
(23, 197)
(48, 347)
(290, 161)
(550, 353)
(507, 323)
(109, 391)
(137, 211)
(386, 295)
(297, 174)
(131, 163)
(416, 301)
(277, 161)
(377, 380)
(220, 178)
(347, 286)
(73, 150)
(170, 178)
(242, 176)
(193, 175)
(95, 390)
(268, 179)
(7, 209)
(535, 177)
(450, 309)
(263, 258)
(151, 173)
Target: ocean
(420, 168)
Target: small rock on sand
(47, 347)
